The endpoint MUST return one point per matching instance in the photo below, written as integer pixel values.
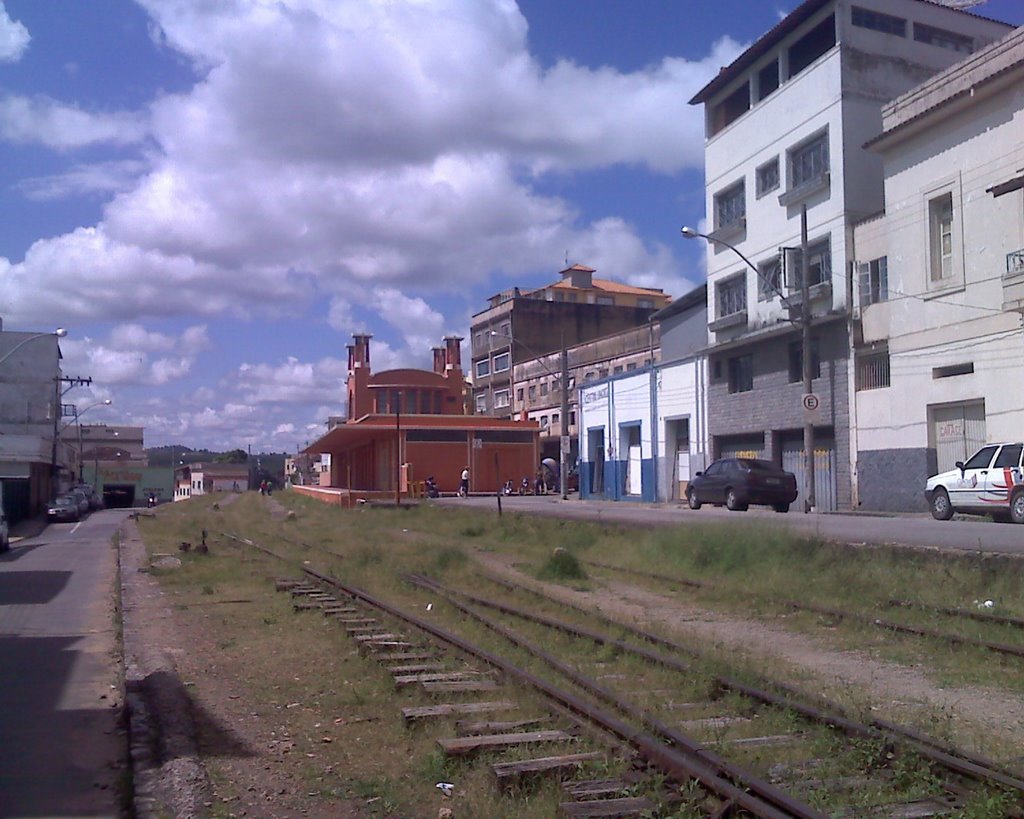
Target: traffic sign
(811, 404)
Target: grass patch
(560, 566)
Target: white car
(990, 482)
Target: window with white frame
(483, 368)
(502, 362)
(480, 402)
(544, 422)
(940, 238)
(808, 163)
(819, 264)
(731, 296)
(768, 177)
(769, 280)
(730, 206)
(501, 399)
(874, 281)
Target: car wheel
(942, 509)
(692, 500)
(1017, 506)
(780, 507)
(732, 501)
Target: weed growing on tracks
(560, 566)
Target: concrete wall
(965, 146)
(773, 406)
(684, 334)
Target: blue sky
(211, 197)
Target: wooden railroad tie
(463, 746)
(418, 712)
(356, 621)
(340, 609)
(453, 687)
(402, 656)
(467, 729)
(374, 638)
(354, 630)
(511, 773)
(579, 791)
(285, 584)
(300, 606)
(406, 680)
(383, 645)
(415, 668)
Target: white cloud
(61, 126)
(126, 357)
(83, 180)
(14, 38)
(293, 382)
(355, 145)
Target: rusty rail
(954, 759)
(674, 763)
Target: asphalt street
(962, 534)
(62, 751)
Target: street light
(563, 443)
(803, 321)
(60, 332)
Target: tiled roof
(609, 286)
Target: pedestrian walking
(464, 483)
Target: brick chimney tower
(453, 355)
(439, 359)
(360, 402)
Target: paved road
(61, 749)
(963, 533)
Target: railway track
(727, 747)
(961, 616)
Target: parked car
(63, 507)
(80, 498)
(990, 482)
(95, 501)
(739, 482)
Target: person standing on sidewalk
(464, 483)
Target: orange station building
(406, 425)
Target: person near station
(464, 482)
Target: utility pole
(563, 438)
(805, 345)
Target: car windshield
(63, 502)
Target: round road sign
(811, 402)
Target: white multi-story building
(786, 125)
(940, 292)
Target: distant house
(203, 479)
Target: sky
(211, 197)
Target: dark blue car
(738, 482)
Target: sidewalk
(28, 528)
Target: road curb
(168, 778)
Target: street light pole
(81, 463)
(804, 323)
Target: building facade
(785, 126)
(521, 325)
(643, 433)
(940, 345)
(407, 425)
(31, 454)
(536, 382)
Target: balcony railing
(1015, 262)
